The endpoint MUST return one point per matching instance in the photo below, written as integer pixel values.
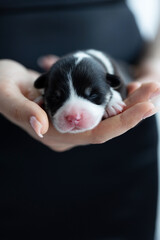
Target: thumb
(23, 112)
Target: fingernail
(36, 125)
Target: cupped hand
(17, 94)
(140, 104)
(16, 103)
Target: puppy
(81, 89)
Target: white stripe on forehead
(71, 88)
(103, 58)
(80, 56)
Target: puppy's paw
(115, 106)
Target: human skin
(17, 104)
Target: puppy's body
(80, 89)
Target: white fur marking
(71, 88)
(96, 111)
(115, 106)
(103, 58)
(80, 56)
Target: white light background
(147, 13)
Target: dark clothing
(106, 191)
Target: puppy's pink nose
(73, 119)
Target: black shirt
(106, 191)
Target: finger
(133, 86)
(20, 110)
(46, 62)
(144, 93)
(106, 130)
(27, 88)
(119, 124)
(27, 85)
(34, 75)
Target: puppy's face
(75, 93)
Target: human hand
(16, 103)
(139, 106)
(146, 85)
(16, 97)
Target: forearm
(154, 50)
(149, 64)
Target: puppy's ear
(41, 81)
(113, 80)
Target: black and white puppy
(81, 89)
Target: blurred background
(157, 236)
(147, 13)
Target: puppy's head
(75, 93)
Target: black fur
(90, 74)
